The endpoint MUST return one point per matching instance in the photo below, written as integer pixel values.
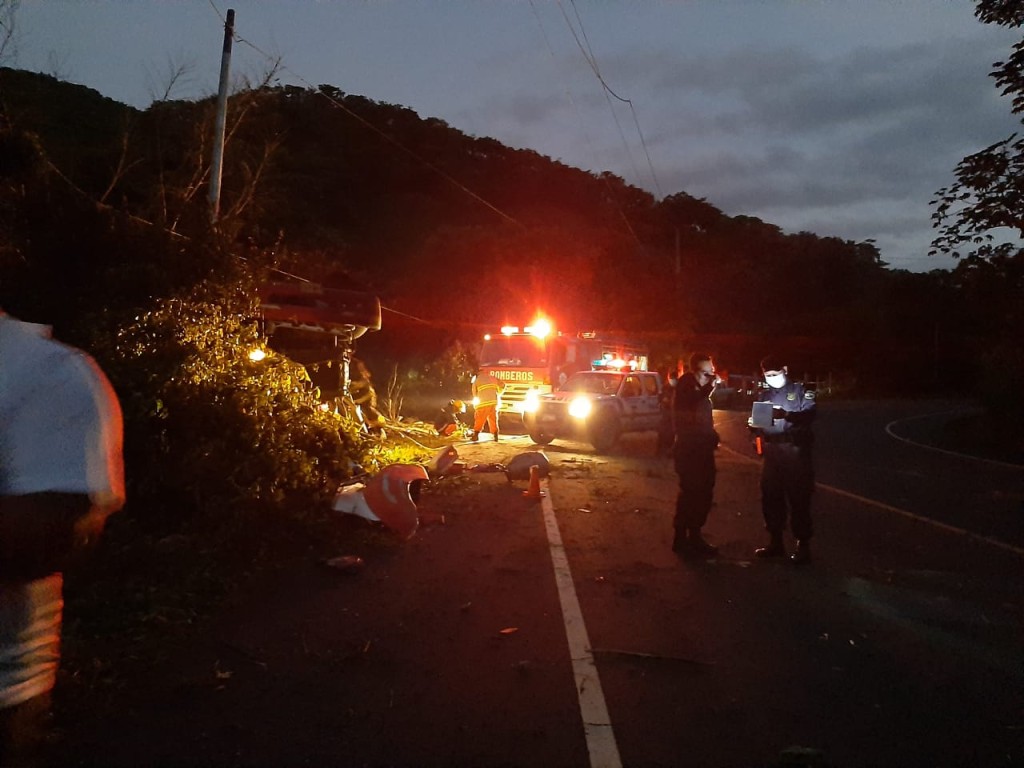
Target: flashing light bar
(616, 363)
(540, 328)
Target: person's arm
(803, 413)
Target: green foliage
(208, 427)
(987, 197)
(980, 216)
(454, 366)
(988, 194)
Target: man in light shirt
(61, 476)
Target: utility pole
(222, 108)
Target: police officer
(666, 431)
(787, 475)
(696, 440)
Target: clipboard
(761, 415)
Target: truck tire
(541, 438)
(604, 432)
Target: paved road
(878, 450)
(564, 632)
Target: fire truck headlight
(532, 402)
(580, 407)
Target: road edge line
(891, 432)
(597, 725)
(921, 519)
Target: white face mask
(777, 381)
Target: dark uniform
(787, 477)
(666, 430)
(696, 440)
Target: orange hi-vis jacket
(487, 389)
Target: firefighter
(787, 475)
(364, 395)
(487, 391)
(449, 421)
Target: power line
(591, 59)
(583, 129)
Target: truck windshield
(523, 351)
(593, 383)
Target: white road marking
(944, 526)
(597, 725)
(890, 430)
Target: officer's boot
(775, 548)
(698, 546)
(475, 436)
(679, 541)
(802, 556)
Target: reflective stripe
(30, 621)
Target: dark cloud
(853, 145)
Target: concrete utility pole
(222, 108)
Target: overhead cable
(591, 59)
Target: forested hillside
(458, 231)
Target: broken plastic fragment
(442, 461)
(346, 563)
(388, 496)
(351, 501)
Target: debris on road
(655, 656)
(442, 462)
(519, 467)
(345, 563)
(390, 496)
(386, 497)
(350, 501)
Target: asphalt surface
(900, 645)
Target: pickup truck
(597, 407)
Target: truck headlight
(580, 407)
(531, 402)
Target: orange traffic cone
(534, 491)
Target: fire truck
(537, 359)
